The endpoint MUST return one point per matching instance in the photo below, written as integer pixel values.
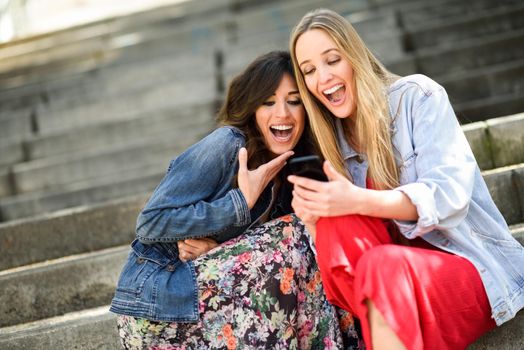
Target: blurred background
(97, 96)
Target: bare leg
(382, 336)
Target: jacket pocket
(507, 253)
(135, 274)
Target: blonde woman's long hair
(370, 131)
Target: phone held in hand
(307, 166)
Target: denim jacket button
(170, 268)
(140, 260)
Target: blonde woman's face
(328, 75)
(281, 117)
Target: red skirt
(430, 298)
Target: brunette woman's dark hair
(248, 91)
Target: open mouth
(282, 133)
(335, 94)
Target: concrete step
(60, 286)
(421, 13)
(473, 54)
(284, 15)
(493, 106)
(121, 130)
(63, 113)
(126, 89)
(448, 33)
(506, 186)
(6, 183)
(91, 329)
(482, 83)
(117, 51)
(70, 231)
(112, 130)
(55, 172)
(88, 192)
(497, 142)
(69, 110)
(510, 336)
(11, 152)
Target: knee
(382, 264)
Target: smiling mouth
(335, 94)
(282, 132)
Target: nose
(324, 75)
(282, 109)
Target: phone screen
(307, 166)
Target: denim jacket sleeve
(195, 198)
(442, 162)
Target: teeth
(281, 127)
(333, 89)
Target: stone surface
(477, 136)
(93, 329)
(510, 336)
(502, 189)
(507, 139)
(57, 287)
(68, 232)
(87, 192)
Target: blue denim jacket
(194, 199)
(439, 174)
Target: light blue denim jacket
(438, 172)
(195, 199)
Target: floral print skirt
(261, 290)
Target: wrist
(362, 200)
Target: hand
(190, 249)
(313, 199)
(252, 182)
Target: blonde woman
(407, 235)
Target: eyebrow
(323, 53)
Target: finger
(331, 173)
(302, 204)
(279, 161)
(201, 245)
(188, 249)
(242, 159)
(184, 256)
(307, 194)
(310, 184)
(194, 243)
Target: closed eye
(268, 103)
(295, 102)
(333, 61)
(308, 71)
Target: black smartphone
(307, 166)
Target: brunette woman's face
(280, 119)
(328, 75)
